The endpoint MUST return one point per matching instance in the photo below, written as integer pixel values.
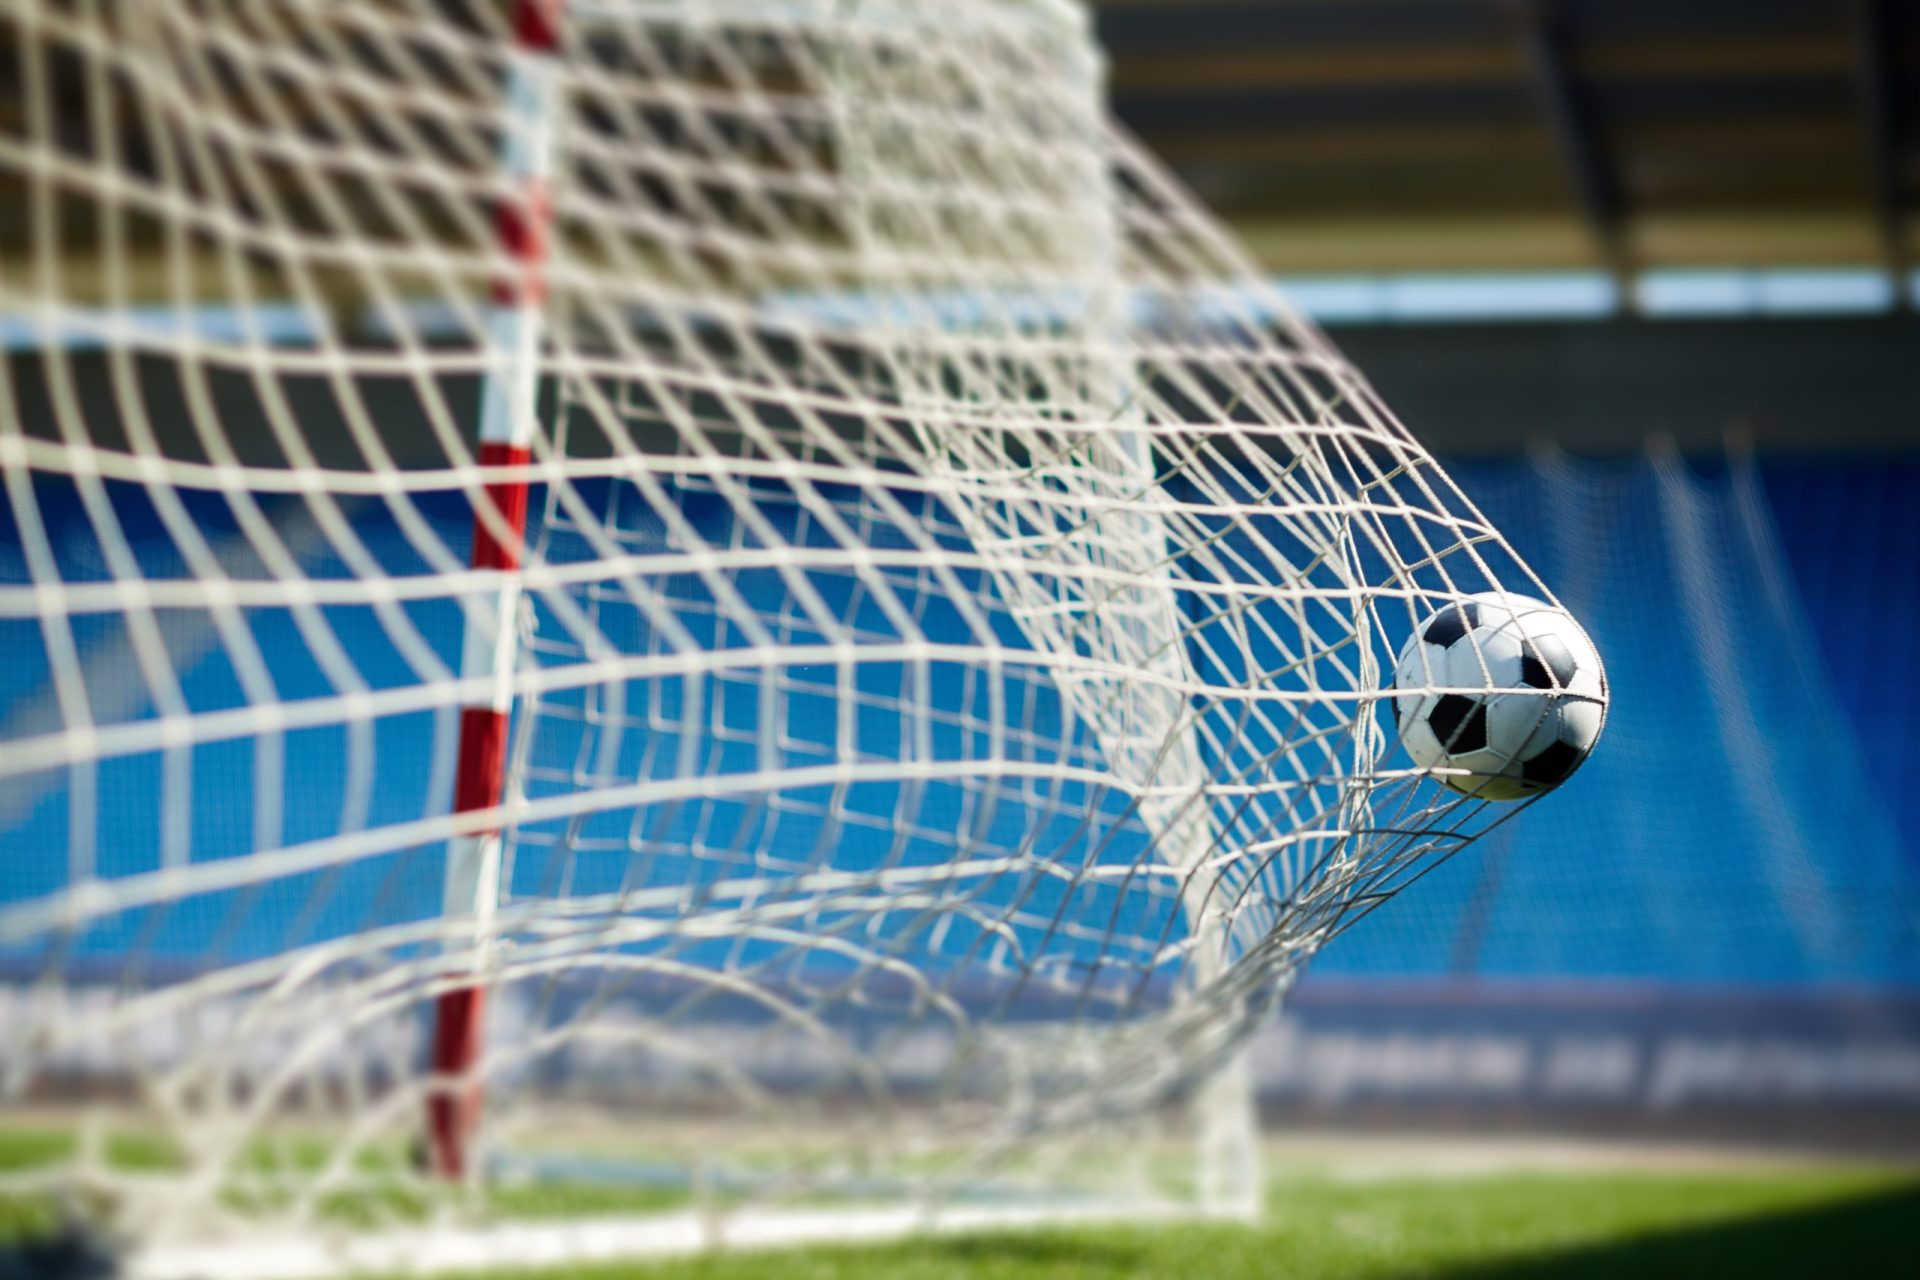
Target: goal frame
(509, 416)
(1100, 517)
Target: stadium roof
(1407, 135)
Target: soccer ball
(1501, 695)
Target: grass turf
(1854, 1224)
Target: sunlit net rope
(941, 660)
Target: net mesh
(942, 657)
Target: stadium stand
(1753, 820)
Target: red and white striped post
(507, 412)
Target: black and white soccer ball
(1500, 695)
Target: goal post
(739, 609)
(509, 407)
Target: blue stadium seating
(1752, 816)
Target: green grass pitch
(1853, 1224)
(1366, 1223)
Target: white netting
(944, 676)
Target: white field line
(437, 1252)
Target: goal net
(728, 614)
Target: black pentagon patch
(1473, 734)
(1546, 653)
(1553, 765)
(1452, 622)
(1459, 722)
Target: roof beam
(1823, 134)
(1871, 29)
(1239, 68)
(1547, 43)
(1232, 67)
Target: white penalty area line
(442, 1251)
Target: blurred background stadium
(1641, 273)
